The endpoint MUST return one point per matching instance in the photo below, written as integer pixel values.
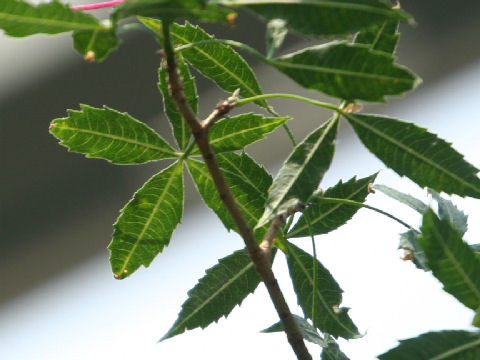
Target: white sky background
(86, 314)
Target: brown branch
(258, 257)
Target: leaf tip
(89, 56)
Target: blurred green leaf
(441, 345)
(100, 42)
(248, 181)
(406, 199)
(412, 151)
(301, 173)
(347, 71)
(234, 133)
(452, 260)
(181, 131)
(20, 18)
(325, 217)
(329, 316)
(322, 17)
(110, 135)
(381, 37)
(223, 287)
(276, 32)
(146, 223)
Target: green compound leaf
(347, 71)
(412, 151)
(181, 131)
(452, 260)
(382, 37)
(476, 319)
(217, 61)
(20, 18)
(99, 42)
(146, 223)
(441, 345)
(171, 9)
(406, 199)
(223, 287)
(322, 17)
(409, 241)
(447, 210)
(234, 133)
(329, 316)
(325, 217)
(309, 333)
(301, 173)
(110, 135)
(275, 35)
(332, 351)
(248, 181)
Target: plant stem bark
(260, 258)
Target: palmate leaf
(406, 199)
(329, 316)
(181, 131)
(217, 61)
(302, 172)
(110, 135)
(223, 287)
(99, 42)
(412, 151)
(452, 260)
(325, 217)
(332, 351)
(20, 18)
(146, 223)
(234, 133)
(347, 71)
(382, 37)
(171, 9)
(322, 17)
(248, 181)
(441, 345)
(309, 333)
(447, 210)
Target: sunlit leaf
(181, 131)
(223, 287)
(347, 71)
(95, 44)
(20, 18)
(442, 345)
(325, 217)
(329, 316)
(146, 223)
(301, 173)
(452, 260)
(234, 133)
(110, 135)
(412, 151)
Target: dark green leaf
(447, 210)
(347, 71)
(171, 9)
(98, 42)
(309, 333)
(476, 319)
(322, 17)
(452, 261)
(276, 32)
(234, 133)
(223, 287)
(325, 217)
(301, 173)
(381, 37)
(248, 181)
(329, 316)
(181, 131)
(20, 18)
(442, 345)
(412, 151)
(217, 61)
(476, 248)
(332, 351)
(409, 242)
(407, 199)
(110, 135)
(146, 223)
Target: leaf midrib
(456, 350)
(411, 151)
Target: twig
(258, 257)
